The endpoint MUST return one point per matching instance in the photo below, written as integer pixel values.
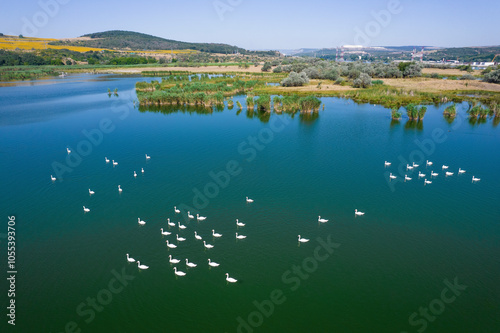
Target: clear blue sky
(259, 24)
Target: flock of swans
(432, 173)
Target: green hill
(129, 40)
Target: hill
(129, 40)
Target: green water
(382, 268)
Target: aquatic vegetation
(395, 114)
(450, 111)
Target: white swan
(135, 174)
(427, 182)
(415, 165)
(387, 163)
(53, 178)
(198, 237)
(239, 224)
(474, 179)
(322, 220)
(303, 240)
(173, 260)
(230, 279)
(391, 176)
(461, 171)
(444, 167)
(407, 178)
(119, 188)
(212, 263)
(115, 163)
(170, 224)
(409, 167)
(142, 170)
(91, 192)
(165, 233)
(358, 213)
(140, 221)
(142, 266)
(434, 174)
(177, 211)
(172, 246)
(449, 173)
(179, 273)
(208, 246)
(216, 234)
(106, 159)
(85, 209)
(249, 200)
(190, 215)
(428, 163)
(130, 259)
(68, 150)
(240, 236)
(181, 226)
(420, 175)
(200, 218)
(148, 157)
(190, 264)
(179, 239)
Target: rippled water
(381, 269)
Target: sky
(271, 24)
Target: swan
(216, 234)
(249, 200)
(85, 209)
(170, 224)
(142, 266)
(172, 246)
(474, 179)
(173, 260)
(240, 236)
(420, 175)
(179, 239)
(190, 215)
(239, 224)
(387, 163)
(208, 246)
(91, 192)
(68, 150)
(140, 221)
(322, 220)
(409, 167)
(358, 213)
(165, 233)
(190, 264)
(53, 178)
(130, 259)
(148, 157)
(200, 218)
(391, 176)
(142, 170)
(135, 174)
(213, 264)
(461, 171)
(415, 165)
(427, 182)
(106, 159)
(198, 237)
(407, 178)
(115, 163)
(444, 167)
(303, 240)
(181, 226)
(179, 273)
(119, 188)
(177, 211)
(230, 279)
(434, 174)
(449, 173)
(428, 163)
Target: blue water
(386, 265)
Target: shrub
(363, 81)
(467, 77)
(278, 69)
(267, 67)
(295, 80)
(493, 76)
(377, 82)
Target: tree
(413, 70)
(267, 67)
(363, 81)
(493, 76)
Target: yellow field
(29, 43)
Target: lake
(422, 258)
